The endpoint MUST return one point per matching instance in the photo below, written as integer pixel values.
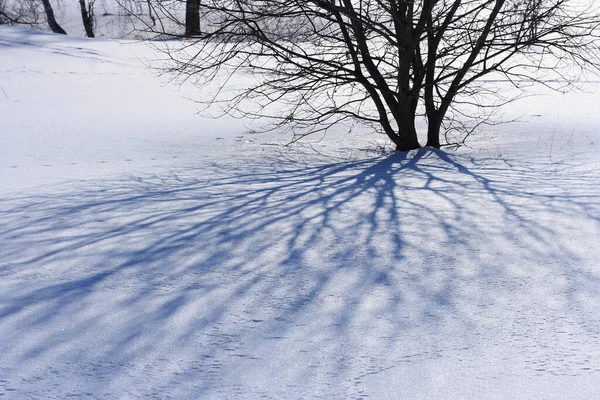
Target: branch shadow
(205, 280)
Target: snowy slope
(147, 252)
(80, 106)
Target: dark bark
(407, 133)
(54, 26)
(87, 16)
(408, 140)
(192, 18)
(433, 131)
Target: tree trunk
(192, 18)
(54, 26)
(407, 143)
(433, 132)
(87, 15)
(406, 139)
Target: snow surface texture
(146, 252)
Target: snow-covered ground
(148, 252)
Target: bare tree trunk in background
(87, 15)
(56, 28)
(192, 18)
(150, 13)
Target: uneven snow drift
(147, 252)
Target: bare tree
(170, 17)
(386, 62)
(54, 26)
(87, 16)
(14, 14)
(18, 13)
(192, 18)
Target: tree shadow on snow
(324, 272)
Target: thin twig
(4, 91)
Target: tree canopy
(387, 62)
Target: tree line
(40, 13)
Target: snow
(149, 252)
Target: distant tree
(165, 17)
(21, 13)
(54, 26)
(87, 16)
(150, 12)
(386, 62)
(192, 18)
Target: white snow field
(149, 253)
